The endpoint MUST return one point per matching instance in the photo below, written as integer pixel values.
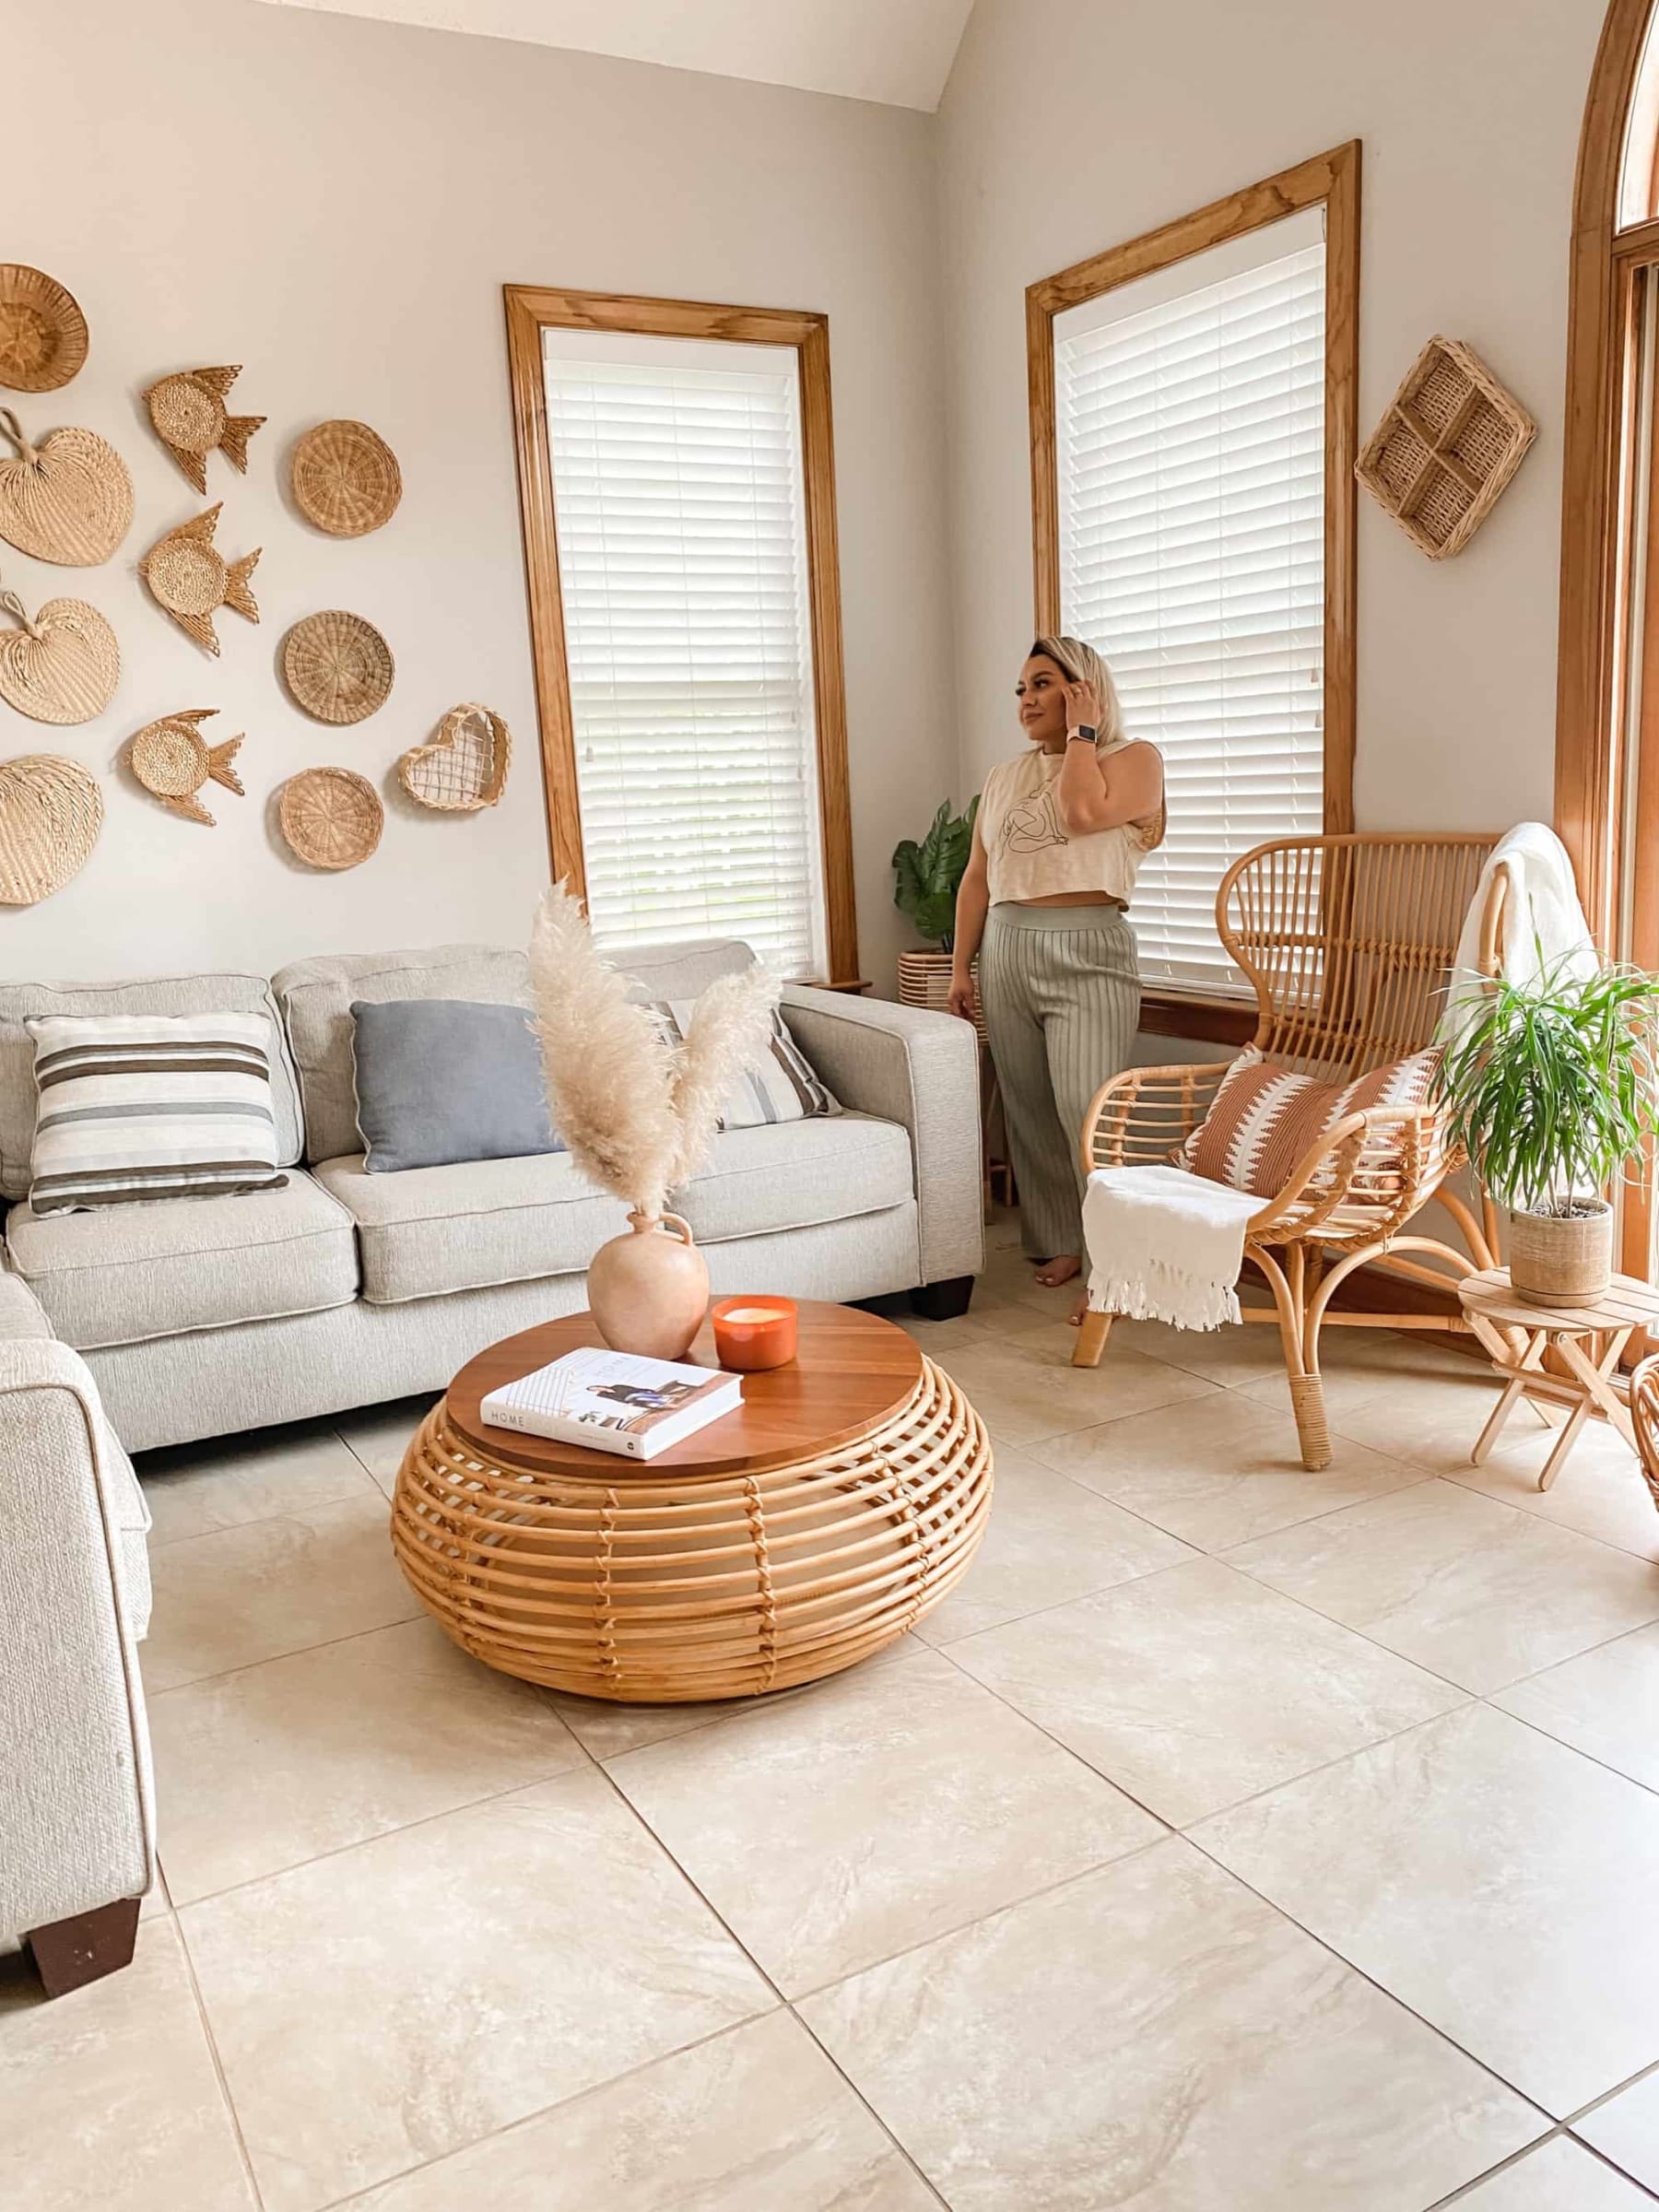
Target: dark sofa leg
(85, 1947)
(943, 1301)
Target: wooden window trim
(532, 309)
(1334, 179)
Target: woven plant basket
(42, 332)
(1450, 441)
(188, 413)
(51, 812)
(465, 767)
(925, 981)
(338, 666)
(332, 817)
(69, 499)
(345, 478)
(1561, 1259)
(191, 578)
(60, 666)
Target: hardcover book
(614, 1402)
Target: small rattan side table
(1590, 1387)
(791, 1539)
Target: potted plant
(1553, 1090)
(926, 878)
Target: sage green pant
(1060, 987)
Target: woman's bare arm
(1100, 792)
(973, 901)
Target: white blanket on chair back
(1543, 925)
(1164, 1245)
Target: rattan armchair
(1349, 944)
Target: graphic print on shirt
(1034, 824)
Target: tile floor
(1236, 1840)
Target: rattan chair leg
(1093, 1333)
(1312, 1429)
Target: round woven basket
(69, 499)
(332, 817)
(345, 478)
(42, 332)
(63, 665)
(51, 812)
(338, 666)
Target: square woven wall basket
(1450, 441)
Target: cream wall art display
(191, 578)
(42, 332)
(62, 665)
(173, 760)
(465, 767)
(69, 499)
(190, 419)
(51, 812)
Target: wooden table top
(1628, 1304)
(852, 1371)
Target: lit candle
(754, 1333)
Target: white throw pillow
(782, 1085)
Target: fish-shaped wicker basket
(188, 412)
(172, 761)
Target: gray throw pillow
(445, 1080)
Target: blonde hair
(1080, 663)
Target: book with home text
(614, 1402)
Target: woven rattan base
(680, 1587)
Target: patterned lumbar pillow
(782, 1085)
(141, 1106)
(1264, 1118)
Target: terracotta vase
(649, 1290)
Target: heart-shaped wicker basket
(69, 499)
(60, 666)
(465, 767)
(51, 812)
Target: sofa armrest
(21, 1313)
(907, 1065)
(77, 1826)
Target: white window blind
(1190, 435)
(678, 494)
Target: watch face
(1084, 730)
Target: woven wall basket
(42, 332)
(172, 761)
(188, 413)
(191, 578)
(69, 499)
(331, 817)
(338, 667)
(51, 812)
(1450, 441)
(63, 665)
(345, 478)
(465, 767)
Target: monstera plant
(926, 876)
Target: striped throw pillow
(782, 1086)
(1265, 1118)
(140, 1106)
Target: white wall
(335, 203)
(1068, 125)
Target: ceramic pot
(649, 1290)
(1562, 1259)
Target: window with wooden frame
(1193, 401)
(676, 478)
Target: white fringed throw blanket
(1164, 1245)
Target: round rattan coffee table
(792, 1538)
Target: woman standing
(1060, 834)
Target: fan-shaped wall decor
(338, 666)
(191, 578)
(51, 812)
(465, 767)
(42, 332)
(69, 499)
(188, 411)
(172, 761)
(63, 665)
(332, 817)
(345, 478)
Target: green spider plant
(927, 877)
(1553, 1088)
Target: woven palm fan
(338, 666)
(465, 767)
(345, 478)
(42, 332)
(69, 499)
(191, 578)
(63, 665)
(332, 817)
(51, 812)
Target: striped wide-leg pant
(1060, 987)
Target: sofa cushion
(442, 1080)
(205, 993)
(432, 1231)
(128, 1273)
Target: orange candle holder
(755, 1332)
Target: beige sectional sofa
(199, 1317)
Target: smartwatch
(1079, 733)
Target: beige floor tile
(1487, 1877)
(378, 1435)
(279, 1763)
(1416, 1389)
(1219, 1470)
(1475, 1590)
(195, 1489)
(934, 1337)
(243, 1595)
(1557, 2177)
(887, 1806)
(108, 2096)
(387, 2006)
(1197, 1686)
(1155, 2036)
(1626, 2129)
(1234, 1356)
(157, 1902)
(1605, 1703)
(757, 2119)
(1048, 1540)
(1024, 1387)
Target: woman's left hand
(1082, 707)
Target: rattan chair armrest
(1138, 1119)
(1386, 1158)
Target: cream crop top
(1028, 852)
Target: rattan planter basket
(1450, 441)
(925, 981)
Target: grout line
(247, 1665)
(218, 2064)
(1608, 2096)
